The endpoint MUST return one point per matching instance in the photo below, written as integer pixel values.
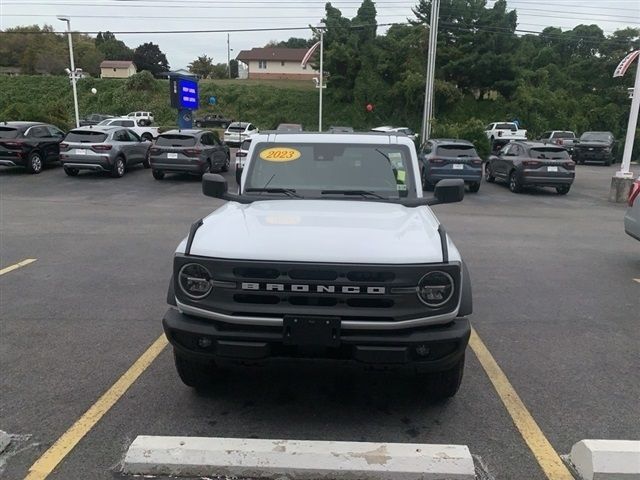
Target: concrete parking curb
(299, 459)
(607, 459)
(5, 440)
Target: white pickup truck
(500, 133)
(329, 250)
(146, 133)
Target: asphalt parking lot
(557, 301)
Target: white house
(117, 69)
(276, 64)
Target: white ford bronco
(328, 250)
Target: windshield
(237, 127)
(456, 151)
(315, 169)
(549, 153)
(83, 136)
(8, 132)
(596, 137)
(564, 135)
(245, 144)
(175, 141)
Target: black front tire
(514, 183)
(488, 175)
(146, 163)
(157, 174)
(563, 190)
(227, 163)
(119, 167)
(474, 187)
(72, 172)
(194, 374)
(443, 385)
(35, 163)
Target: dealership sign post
(183, 92)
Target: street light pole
(73, 69)
(321, 83)
(633, 120)
(427, 113)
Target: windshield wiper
(289, 192)
(362, 193)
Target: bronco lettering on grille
(282, 287)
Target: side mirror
(214, 185)
(449, 191)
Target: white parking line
(18, 265)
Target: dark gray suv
(188, 151)
(523, 164)
(444, 158)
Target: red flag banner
(626, 62)
(309, 54)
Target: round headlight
(435, 289)
(195, 281)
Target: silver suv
(103, 149)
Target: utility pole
(228, 56)
(427, 113)
(73, 69)
(321, 28)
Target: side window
(205, 140)
(129, 123)
(121, 136)
(505, 150)
(38, 132)
(54, 132)
(428, 147)
(133, 136)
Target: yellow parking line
(18, 265)
(547, 457)
(43, 467)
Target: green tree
(202, 66)
(148, 56)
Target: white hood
(321, 231)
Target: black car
(450, 158)
(537, 164)
(93, 119)
(188, 151)
(213, 121)
(595, 147)
(29, 144)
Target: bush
(472, 130)
(143, 81)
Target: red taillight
(437, 161)
(570, 165)
(101, 148)
(477, 161)
(64, 147)
(241, 154)
(192, 152)
(531, 163)
(12, 144)
(634, 192)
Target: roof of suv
(324, 137)
(97, 128)
(532, 144)
(21, 124)
(192, 131)
(460, 141)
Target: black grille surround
(398, 303)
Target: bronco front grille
(351, 292)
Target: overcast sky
(146, 15)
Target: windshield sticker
(401, 176)
(280, 154)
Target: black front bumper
(433, 348)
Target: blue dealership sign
(184, 93)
